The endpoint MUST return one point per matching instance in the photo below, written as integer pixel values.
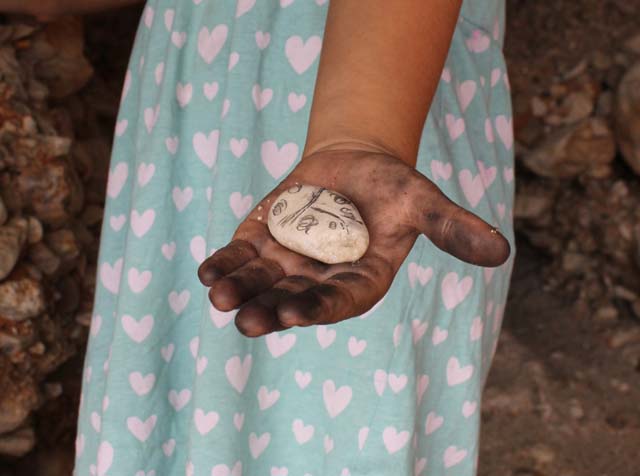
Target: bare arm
(379, 68)
(46, 9)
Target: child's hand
(276, 288)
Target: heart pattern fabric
(213, 114)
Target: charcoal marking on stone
(348, 213)
(343, 225)
(294, 216)
(338, 199)
(306, 222)
(279, 207)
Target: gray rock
(622, 337)
(541, 454)
(606, 313)
(318, 223)
(574, 262)
(35, 230)
(627, 117)
(21, 299)
(10, 344)
(586, 147)
(45, 259)
(539, 107)
(633, 44)
(577, 106)
(534, 203)
(16, 404)
(11, 241)
(18, 443)
(3, 212)
(64, 243)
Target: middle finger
(258, 316)
(252, 278)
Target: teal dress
(213, 114)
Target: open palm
(276, 288)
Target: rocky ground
(562, 397)
(59, 93)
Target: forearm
(52, 8)
(379, 68)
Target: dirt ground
(563, 395)
(559, 400)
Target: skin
(275, 288)
(378, 70)
(379, 67)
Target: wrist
(347, 112)
(348, 143)
(358, 143)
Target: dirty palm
(275, 288)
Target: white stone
(318, 223)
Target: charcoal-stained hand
(276, 288)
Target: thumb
(457, 231)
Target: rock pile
(578, 194)
(53, 166)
